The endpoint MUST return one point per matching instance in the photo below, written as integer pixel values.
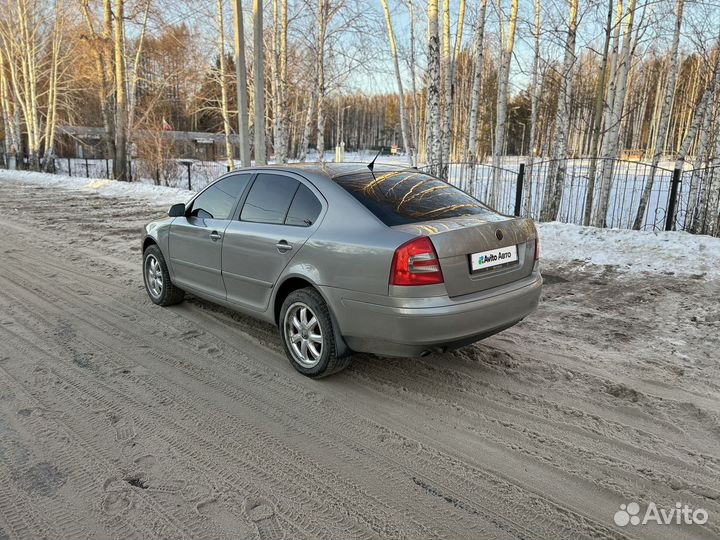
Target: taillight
(416, 263)
(537, 247)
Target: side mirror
(177, 210)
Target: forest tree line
(448, 81)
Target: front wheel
(160, 289)
(308, 336)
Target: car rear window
(408, 196)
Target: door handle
(215, 236)
(282, 246)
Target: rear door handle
(215, 236)
(282, 246)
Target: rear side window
(305, 208)
(401, 197)
(269, 199)
(217, 201)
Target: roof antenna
(371, 165)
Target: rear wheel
(308, 335)
(160, 289)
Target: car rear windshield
(401, 197)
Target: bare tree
(241, 76)
(259, 82)
(507, 35)
(224, 107)
(121, 139)
(432, 122)
(556, 178)
(597, 119)
(616, 92)
(398, 78)
(477, 78)
(534, 111)
(662, 128)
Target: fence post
(519, 188)
(672, 203)
(157, 176)
(107, 168)
(129, 171)
(87, 169)
(189, 182)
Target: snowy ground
(122, 419)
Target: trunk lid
(456, 239)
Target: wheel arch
(295, 282)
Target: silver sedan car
(342, 258)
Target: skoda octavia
(343, 258)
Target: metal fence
(679, 200)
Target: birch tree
(534, 111)
(120, 161)
(432, 121)
(323, 19)
(241, 80)
(259, 82)
(398, 79)
(662, 127)
(224, 108)
(617, 92)
(507, 35)
(413, 86)
(11, 113)
(597, 119)
(555, 182)
(477, 79)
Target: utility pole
(241, 72)
(259, 83)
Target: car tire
(314, 362)
(156, 276)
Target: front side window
(269, 199)
(218, 201)
(401, 197)
(305, 208)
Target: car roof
(331, 170)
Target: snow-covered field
(120, 419)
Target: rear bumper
(409, 326)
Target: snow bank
(680, 253)
(630, 251)
(158, 195)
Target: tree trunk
(534, 115)
(597, 120)
(224, 108)
(475, 93)
(612, 138)
(398, 79)
(432, 126)
(120, 162)
(506, 51)
(662, 128)
(241, 75)
(320, 69)
(416, 106)
(259, 82)
(555, 183)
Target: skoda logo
(499, 234)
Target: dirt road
(122, 419)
